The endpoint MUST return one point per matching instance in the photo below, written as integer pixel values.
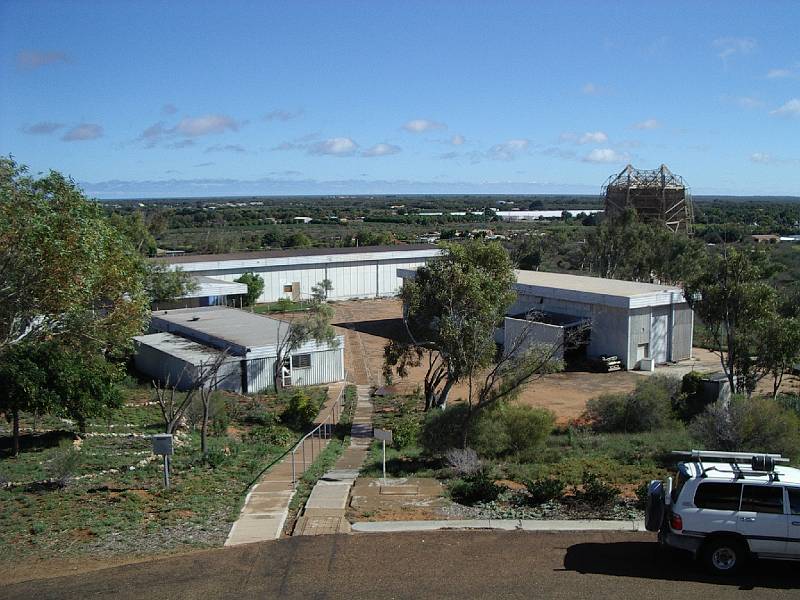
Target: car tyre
(724, 555)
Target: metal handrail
(320, 432)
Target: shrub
(756, 424)
(527, 428)
(544, 490)
(595, 492)
(641, 494)
(463, 461)
(405, 431)
(300, 412)
(255, 413)
(64, 464)
(691, 401)
(441, 429)
(272, 435)
(647, 408)
(472, 489)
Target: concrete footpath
(266, 506)
(497, 524)
(325, 509)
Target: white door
(659, 336)
(762, 520)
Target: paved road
(431, 565)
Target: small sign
(384, 435)
(162, 444)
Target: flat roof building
(631, 320)
(183, 339)
(365, 272)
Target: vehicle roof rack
(760, 463)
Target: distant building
(535, 215)
(303, 220)
(766, 238)
(365, 272)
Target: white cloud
(761, 157)
(42, 128)
(589, 89)
(593, 137)
(340, 146)
(83, 132)
(779, 73)
(728, 46)
(169, 109)
(204, 125)
(153, 134)
(749, 102)
(647, 124)
(382, 150)
(790, 109)
(423, 125)
(283, 115)
(33, 59)
(457, 140)
(605, 155)
(509, 150)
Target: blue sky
(136, 99)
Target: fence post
(294, 476)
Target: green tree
(314, 324)
(164, 284)
(134, 227)
(23, 387)
(731, 297)
(65, 271)
(777, 348)
(255, 286)
(451, 309)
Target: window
(287, 289)
(794, 500)
(718, 496)
(763, 499)
(301, 361)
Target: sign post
(162, 444)
(384, 435)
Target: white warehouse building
(182, 341)
(630, 320)
(366, 272)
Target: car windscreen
(718, 496)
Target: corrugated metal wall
(327, 366)
(167, 368)
(534, 334)
(682, 331)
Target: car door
(793, 537)
(762, 520)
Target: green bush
(441, 429)
(405, 430)
(255, 413)
(691, 401)
(544, 490)
(499, 431)
(742, 424)
(595, 492)
(272, 435)
(472, 489)
(300, 411)
(65, 463)
(647, 408)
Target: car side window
(718, 496)
(763, 499)
(794, 500)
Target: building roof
(239, 332)
(596, 290)
(296, 252)
(211, 286)
(187, 350)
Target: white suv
(728, 506)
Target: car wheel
(724, 556)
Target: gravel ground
(625, 510)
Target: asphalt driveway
(477, 564)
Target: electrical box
(162, 444)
